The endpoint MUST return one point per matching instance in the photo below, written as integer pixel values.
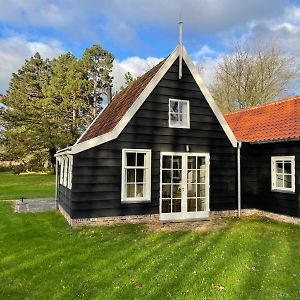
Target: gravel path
(35, 205)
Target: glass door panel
(196, 183)
(184, 185)
(171, 184)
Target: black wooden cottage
(160, 150)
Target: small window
(65, 174)
(65, 169)
(62, 167)
(70, 172)
(283, 173)
(179, 113)
(136, 175)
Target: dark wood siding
(64, 198)
(97, 172)
(256, 178)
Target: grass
(31, 185)
(43, 258)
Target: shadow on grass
(42, 258)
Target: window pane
(288, 181)
(166, 205)
(176, 191)
(166, 176)
(139, 190)
(201, 190)
(201, 176)
(140, 159)
(130, 190)
(176, 207)
(200, 162)
(183, 121)
(175, 119)
(191, 204)
(191, 176)
(177, 162)
(166, 191)
(177, 177)
(191, 192)
(279, 167)
(140, 175)
(279, 180)
(183, 107)
(174, 106)
(131, 157)
(200, 204)
(287, 167)
(130, 175)
(167, 160)
(192, 162)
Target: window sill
(283, 191)
(180, 127)
(134, 201)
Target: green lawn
(31, 185)
(43, 258)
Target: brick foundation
(113, 220)
(154, 218)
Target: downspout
(239, 146)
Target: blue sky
(140, 32)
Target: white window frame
(147, 179)
(65, 171)
(274, 160)
(70, 172)
(187, 125)
(62, 166)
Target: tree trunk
(95, 97)
(52, 158)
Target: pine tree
(25, 117)
(67, 92)
(98, 64)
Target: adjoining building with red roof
(270, 155)
(274, 121)
(162, 150)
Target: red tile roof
(114, 112)
(278, 120)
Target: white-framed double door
(184, 186)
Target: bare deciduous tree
(253, 75)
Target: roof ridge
(273, 102)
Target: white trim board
(91, 124)
(209, 99)
(79, 147)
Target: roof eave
(275, 141)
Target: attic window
(283, 173)
(179, 113)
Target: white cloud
(120, 21)
(206, 59)
(135, 65)
(284, 29)
(14, 51)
